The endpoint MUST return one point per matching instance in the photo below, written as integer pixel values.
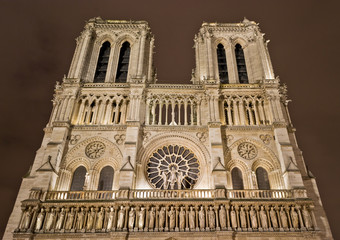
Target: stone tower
(124, 157)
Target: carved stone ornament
(74, 139)
(119, 138)
(202, 136)
(247, 150)
(95, 149)
(265, 138)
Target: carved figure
(132, 215)
(179, 180)
(90, 219)
(70, 218)
(161, 218)
(253, 218)
(26, 220)
(295, 218)
(233, 218)
(182, 218)
(172, 218)
(141, 218)
(222, 215)
(80, 219)
(152, 215)
(165, 181)
(110, 219)
(173, 178)
(201, 217)
(284, 220)
(263, 217)
(121, 216)
(306, 218)
(192, 216)
(40, 220)
(273, 217)
(60, 220)
(211, 217)
(243, 218)
(87, 181)
(50, 220)
(100, 219)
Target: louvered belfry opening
(222, 64)
(123, 63)
(78, 179)
(106, 179)
(237, 179)
(241, 64)
(262, 179)
(103, 61)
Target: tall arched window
(105, 179)
(262, 179)
(123, 63)
(78, 179)
(241, 64)
(103, 61)
(222, 64)
(237, 179)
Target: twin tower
(126, 158)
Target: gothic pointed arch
(262, 178)
(237, 179)
(123, 63)
(102, 63)
(241, 64)
(222, 64)
(78, 179)
(106, 179)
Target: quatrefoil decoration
(119, 138)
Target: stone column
(302, 226)
(316, 228)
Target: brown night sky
(37, 44)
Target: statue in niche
(192, 217)
(295, 218)
(70, 218)
(172, 218)
(263, 217)
(306, 218)
(141, 218)
(273, 217)
(201, 217)
(152, 215)
(26, 219)
(211, 217)
(173, 178)
(40, 220)
(253, 218)
(50, 220)
(110, 219)
(132, 215)
(165, 180)
(233, 218)
(222, 215)
(60, 220)
(182, 218)
(179, 180)
(100, 219)
(80, 219)
(121, 215)
(161, 218)
(87, 181)
(283, 216)
(243, 218)
(90, 219)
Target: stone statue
(50, 220)
(87, 181)
(263, 217)
(165, 180)
(141, 218)
(80, 219)
(100, 219)
(173, 178)
(60, 220)
(284, 220)
(70, 218)
(182, 218)
(40, 220)
(243, 218)
(201, 217)
(132, 215)
(121, 215)
(253, 218)
(26, 219)
(222, 215)
(90, 219)
(306, 218)
(179, 180)
(192, 217)
(273, 217)
(295, 218)
(172, 218)
(152, 215)
(211, 217)
(110, 219)
(233, 218)
(161, 218)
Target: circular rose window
(173, 167)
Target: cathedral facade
(126, 158)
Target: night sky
(37, 45)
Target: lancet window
(78, 179)
(237, 179)
(106, 179)
(103, 61)
(222, 64)
(123, 63)
(241, 64)
(262, 179)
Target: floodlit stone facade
(124, 157)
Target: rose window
(173, 167)
(95, 149)
(247, 150)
